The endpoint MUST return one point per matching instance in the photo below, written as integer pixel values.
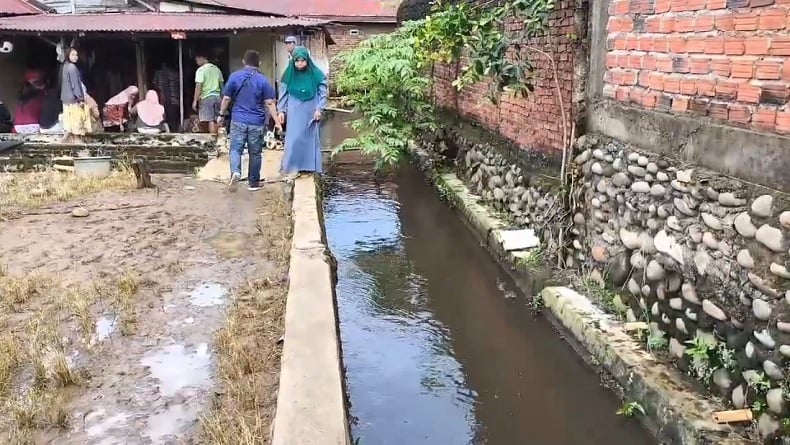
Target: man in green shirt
(208, 90)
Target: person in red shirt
(27, 115)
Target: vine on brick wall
(385, 77)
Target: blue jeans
(251, 136)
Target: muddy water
(439, 347)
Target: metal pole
(181, 79)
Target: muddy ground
(157, 301)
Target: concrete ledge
(311, 406)
(761, 158)
(677, 412)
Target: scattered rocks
(667, 245)
(657, 190)
(683, 207)
(630, 239)
(621, 180)
(775, 399)
(738, 397)
(780, 271)
(762, 286)
(722, 379)
(767, 425)
(765, 338)
(597, 168)
(642, 161)
(710, 241)
(640, 187)
(744, 226)
(714, 311)
(784, 219)
(672, 223)
(689, 293)
(730, 200)
(763, 206)
(677, 349)
(38, 193)
(711, 221)
(770, 237)
(685, 175)
(745, 259)
(654, 271)
(636, 170)
(676, 304)
(80, 212)
(773, 370)
(761, 309)
(599, 253)
(661, 176)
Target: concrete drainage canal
(438, 345)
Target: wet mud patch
(131, 309)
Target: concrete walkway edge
(676, 412)
(311, 406)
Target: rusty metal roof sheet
(19, 7)
(147, 22)
(340, 9)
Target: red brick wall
(344, 40)
(726, 59)
(535, 122)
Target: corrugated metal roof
(147, 22)
(18, 7)
(342, 9)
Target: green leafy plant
(656, 342)
(631, 409)
(707, 357)
(382, 78)
(536, 304)
(386, 80)
(535, 258)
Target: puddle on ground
(105, 326)
(105, 426)
(177, 368)
(172, 418)
(207, 295)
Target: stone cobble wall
(167, 153)
(534, 122)
(701, 256)
(725, 59)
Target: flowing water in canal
(439, 347)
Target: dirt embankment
(154, 319)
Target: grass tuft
(32, 190)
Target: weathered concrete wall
(704, 257)
(263, 42)
(311, 407)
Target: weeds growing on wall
(385, 78)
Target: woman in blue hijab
(302, 101)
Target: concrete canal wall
(311, 404)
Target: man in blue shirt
(252, 96)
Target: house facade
(124, 42)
